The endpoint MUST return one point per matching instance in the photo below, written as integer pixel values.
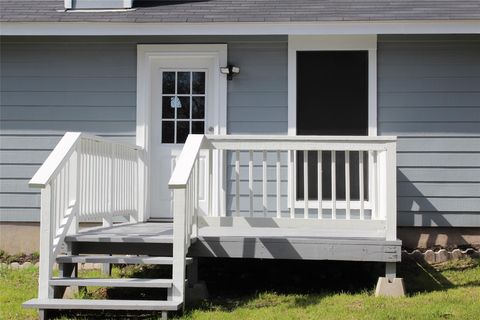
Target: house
(262, 129)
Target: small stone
(441, 256)
(457, 254)
(26, 265)
(14, 265)
(429, 256)
(37, 264)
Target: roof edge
(239, 28)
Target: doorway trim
(332, 43)
(147, 55)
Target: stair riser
(153, 249)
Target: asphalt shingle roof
(248, 11)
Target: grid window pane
(183, 83)
(183, 129)
(168, 83)
(168, 132)
(198, 82)
(167, 111)
(198, 107)
(183, 112)
(198, 127)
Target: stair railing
(85, 178)
(185, 185)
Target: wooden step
(80, 304)
(109, 282)
(118, 259)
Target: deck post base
(387, 287)
(196, 293)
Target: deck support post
(390, 270)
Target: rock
(37, 264)
(26, 265)
(429, 256)
(457, 254)
(14, 265)
(441, 256)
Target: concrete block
(457, 254)
(441, 256)
(429, 256)
(387, 288)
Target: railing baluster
(347, 184)
(264, 183)
(250, 180)
(360, 183)
(279, 209)
(334, 186)
(319, 184)
(237, 182)
(374, 182)
(291, 180)
(305, 184)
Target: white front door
(182, 102)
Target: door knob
(210, 129)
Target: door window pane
(168, 132)
(183, 112)
(198, 107)
(198, 83)
(183, 129)
(198, 127)
(167, 111)
(183, 83)
(168, 83)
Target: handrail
(61, 153)
(55, 160)
(186, 161)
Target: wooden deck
(225, 242)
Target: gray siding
(429, 96)
(52, 85)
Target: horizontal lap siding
(257, 104)
(52, 85)
(429, 96)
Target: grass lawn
(288, 290)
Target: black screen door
(332, 99)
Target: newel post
(391, 191)
(179, 245)
(46, 251)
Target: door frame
(147, 55)
(329, 43)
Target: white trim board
(147, 56)
(240, 28)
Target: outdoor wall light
(230, 71)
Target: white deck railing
(85, 178)
(372, 176)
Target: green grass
(446, 291)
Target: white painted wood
(305, 184)
(278, 188)
(237, 182)
(264, 183)
(179, 245)
(250, 181)
(291, 183)
(347, 184)
(361, 185)
(334, 185)
(390, 193)
(46, 253)
(319, 184)
(186, 161)
(251, 28)
(80, 304)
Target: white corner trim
(242, 28)
(147, 56)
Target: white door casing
(158, 158)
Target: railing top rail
(61, 153)
(284, 143)
(186, 161)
